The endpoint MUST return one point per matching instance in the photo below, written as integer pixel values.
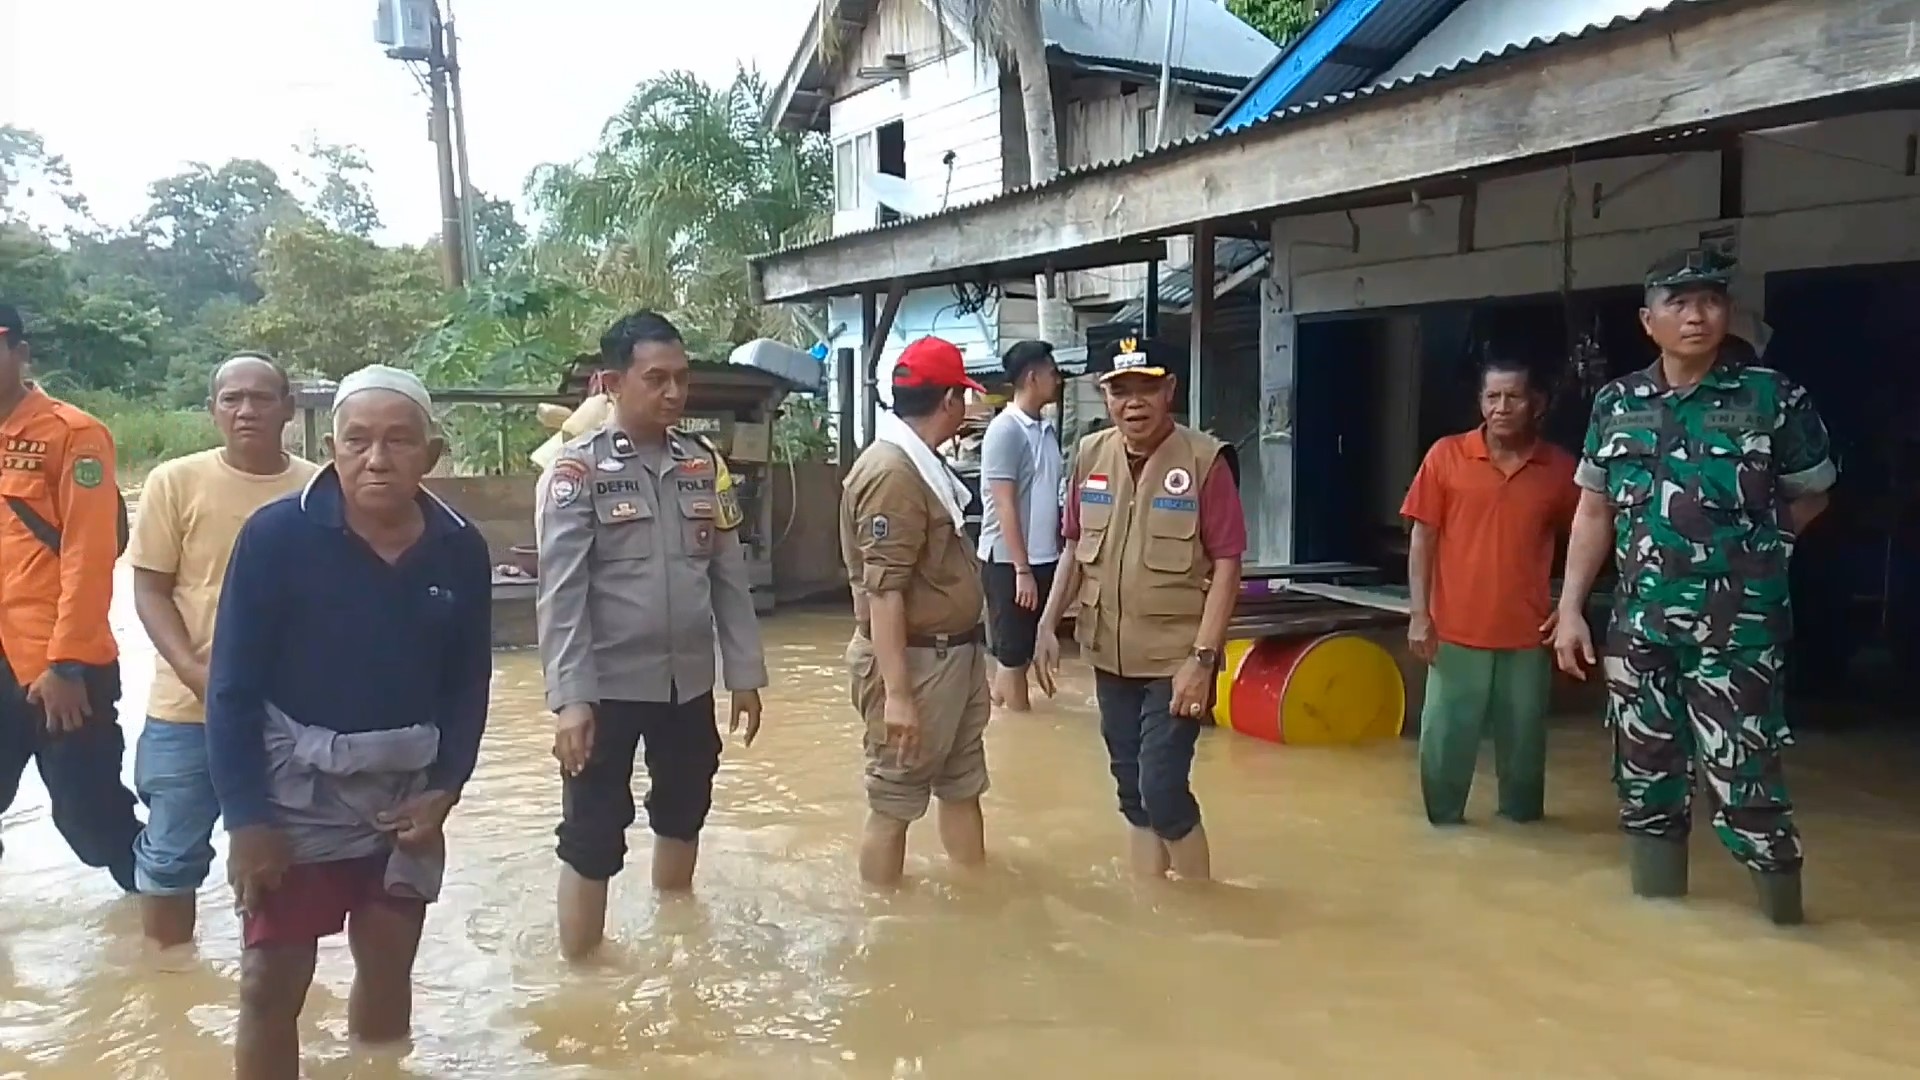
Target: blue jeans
(1151, 753)
(175, 850)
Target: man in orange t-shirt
(60, 532)
(1487, 508)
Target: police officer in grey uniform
(641, 568)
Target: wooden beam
(877, 329)
(1737, 63)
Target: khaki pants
(950, 688)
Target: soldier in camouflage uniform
(1704, 468)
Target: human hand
(1420, 638)
(1046, 659)
(1191, 686)
(194, 678)
(1026, 592)
(573, 738)
(1573, 646)
(903, 728)
(257, 859)
(416, 824)
(63, 700)
(1548, 628)
(746, 710)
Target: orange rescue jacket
(57, 461)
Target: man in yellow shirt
(190, 512)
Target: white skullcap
(382, 377)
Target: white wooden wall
(1830, 194)
(1834, 193)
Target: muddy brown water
(1347, 940)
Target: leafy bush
(145, 432)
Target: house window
(846, 178)
(1149, 119)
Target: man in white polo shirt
(1020, 469)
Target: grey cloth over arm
(640, 582)
(329, 788)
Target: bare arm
(1223, 592)
(1420, 566)
(1006, 506)
(1066, 583)
(887, 623)
(1587, 549)
(160, 617)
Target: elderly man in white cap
(345, 703)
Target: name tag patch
(1185, 506)
(616, 487)
(1097, 498)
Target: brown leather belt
(934, 641)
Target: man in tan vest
(918, 659)
(1156, 534)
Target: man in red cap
(918, 658)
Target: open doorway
(890, 153)
(1850, 335)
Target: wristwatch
(1209, 657)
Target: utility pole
(471, 249)
(440, 124)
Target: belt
(934, 641)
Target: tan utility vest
(1143, 569)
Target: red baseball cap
(935, 364)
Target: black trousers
(91, 807)
(681, 744)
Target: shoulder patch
(566, 479)
(88, 471)
(880, 527)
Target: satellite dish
(895, 193)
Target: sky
(132, 90)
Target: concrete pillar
(1273, 520)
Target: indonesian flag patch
(1097, 482)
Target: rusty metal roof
(1282, 116)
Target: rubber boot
(1658, 865)
(1780, 897)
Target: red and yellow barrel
(1332, 690)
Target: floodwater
(1348, 939)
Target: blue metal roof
(1349, 45)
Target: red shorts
(314, 899)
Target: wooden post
(1272, 521)
(843, 411)
(1201, 315)
(869, 319)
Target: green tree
(30, 174)
(335, 179)
(332, 302)
(1281, 20)
(686, 183)
(204, 229)
(499, 238)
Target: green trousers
(1468, 692)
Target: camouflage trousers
(1671, 707)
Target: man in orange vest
(1157, 532)
(60, 532)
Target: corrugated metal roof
(1281, 116)
(1211, 39)
(1343, 49)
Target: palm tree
(685, 185)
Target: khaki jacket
(1143, 568)
(896, 536)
